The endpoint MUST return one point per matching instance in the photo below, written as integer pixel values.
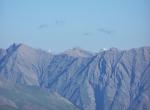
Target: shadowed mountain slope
(23, 97)
(109, 80)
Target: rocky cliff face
(23, 64)
(108, 80)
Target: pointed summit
(21, 48)
(24, 46)
(78, 52)
(12, 48)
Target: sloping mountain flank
(109, 80)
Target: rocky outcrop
(109, 80)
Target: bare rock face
(77, 52)
(108, 80)
(23, 64)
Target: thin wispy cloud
(104, 30)
(59, 22)
(53, 23)
(86, 34)
(99, 31)
(42, 26)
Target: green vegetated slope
(21, 97)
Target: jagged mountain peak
(97, 82)
(17, 47)
(78, 52)
(25, 63)
(24, 47)
(12, 48)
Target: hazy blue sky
(63, 24)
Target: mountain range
(113, 79)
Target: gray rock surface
(24, 64)
(109, 80)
